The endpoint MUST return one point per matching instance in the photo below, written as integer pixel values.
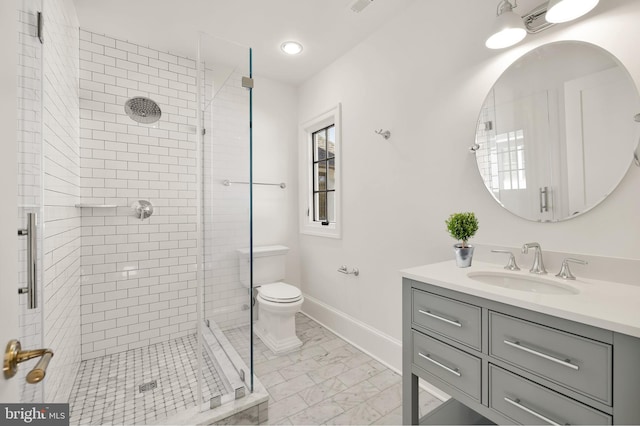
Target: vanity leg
(410, 403)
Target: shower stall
(125, 157)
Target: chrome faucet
(565, 272)
(538, 265)
(511, 265)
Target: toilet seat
(279, 293)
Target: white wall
(425, 80)
(275, 160)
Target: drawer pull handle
(450, 370)
(448, 321)
(520, 346)
(516, 403)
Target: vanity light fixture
(291, 47)
(510, 28)
(559, 11)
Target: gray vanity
(520, 357)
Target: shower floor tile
(106, 390)
(326, 381)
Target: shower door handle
(544, 199)
(32, 260)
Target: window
(320, 175)
(501, 159)
(324, 174)
(508, 164)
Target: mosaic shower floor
(107, 389)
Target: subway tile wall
(62, 233)
(138, 277)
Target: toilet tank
(269, 264)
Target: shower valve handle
(14, 355)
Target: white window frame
(307, 224)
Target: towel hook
(384, 133)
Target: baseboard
(378, 345)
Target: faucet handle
(511, 265)
(565, 272)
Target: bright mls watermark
(34, 414)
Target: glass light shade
(291, 47)
(507, 31)
(567, 10)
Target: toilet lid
(280, 292)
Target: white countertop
(609, 305)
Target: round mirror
(556, 133)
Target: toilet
(277, 301)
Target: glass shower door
(225, 98)
(30, 188)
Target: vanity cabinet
(509, 365)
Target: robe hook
(384, 133)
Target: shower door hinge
(240, 392)
(215, 402)
(247, 82)
(39, 27)
(204, 131)
(207, 323)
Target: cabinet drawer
(527, 403)
(581, 364)
(456, 320)
(449, 364)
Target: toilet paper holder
(344, 270)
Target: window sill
(330, 231)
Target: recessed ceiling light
(291, 47)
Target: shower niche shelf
(95, 206)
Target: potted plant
(462, 226)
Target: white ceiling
(326, 28)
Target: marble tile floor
(326, 381)
(106, 390)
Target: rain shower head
(143, 110)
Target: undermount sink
(531, 284)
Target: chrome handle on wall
(449, 369)
(448, 321)
(516, 403)
(565, 363)
(32, 260)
